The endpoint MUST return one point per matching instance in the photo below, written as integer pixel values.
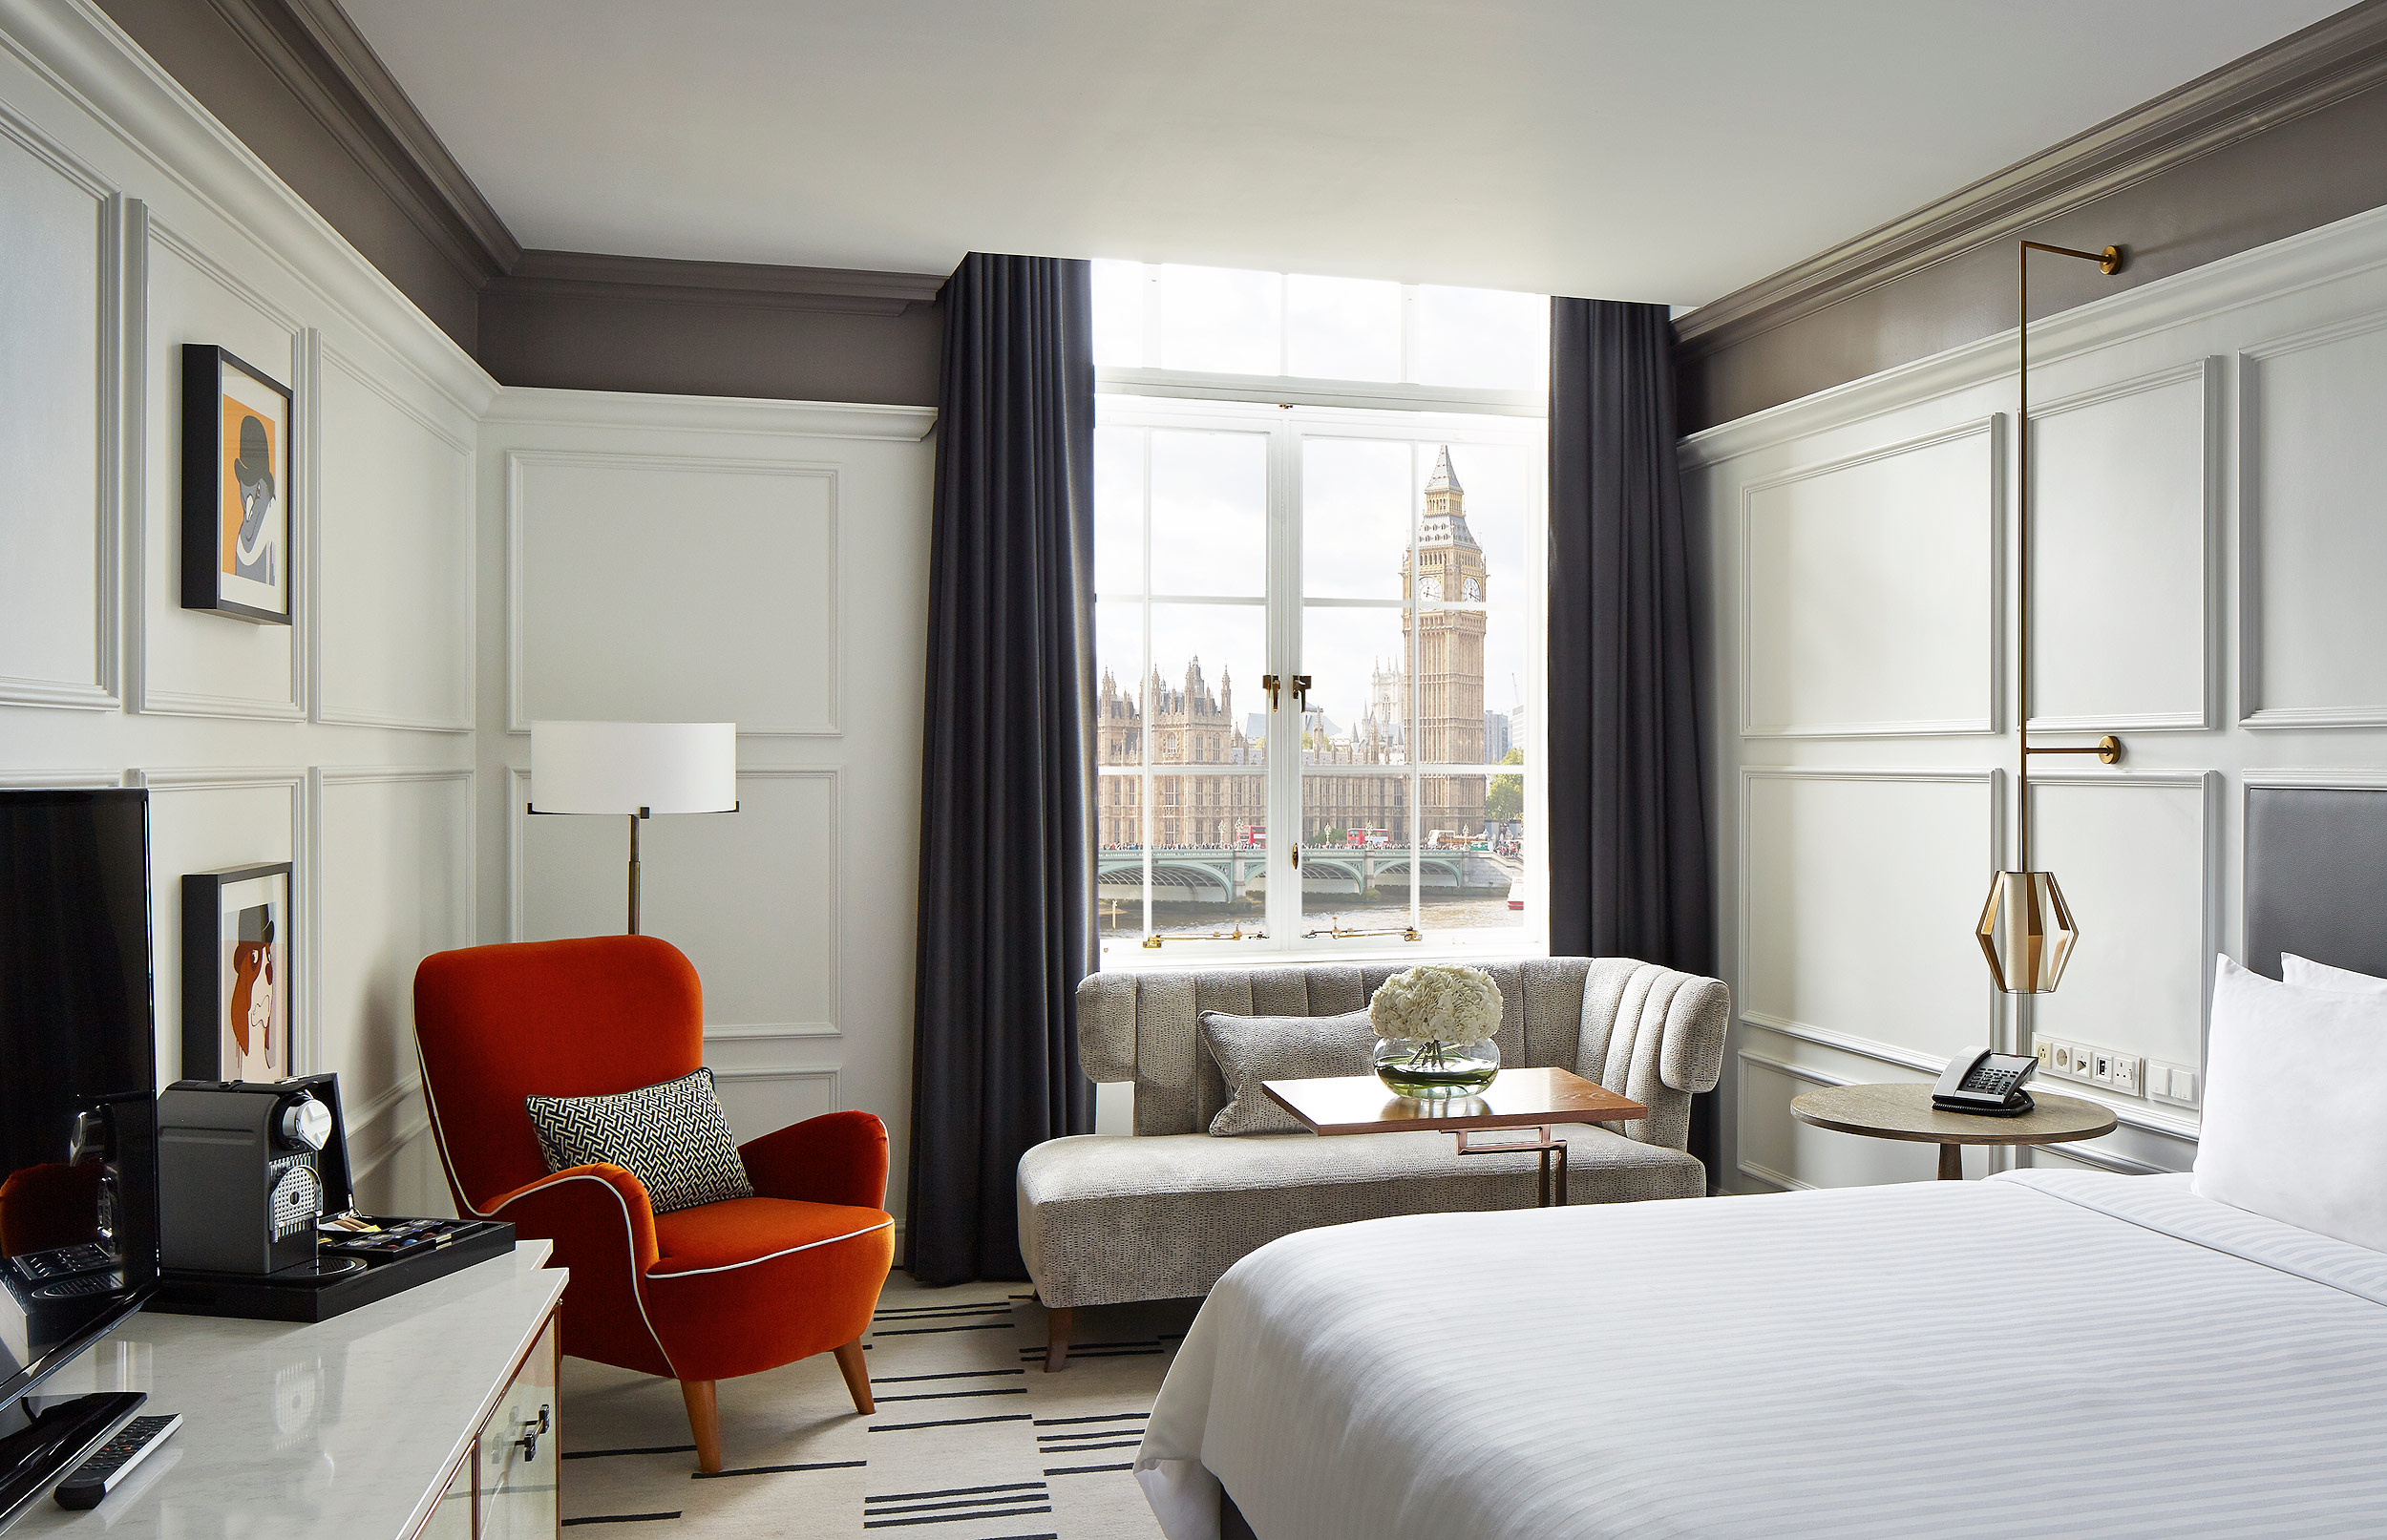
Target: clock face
(1471, 590)
(1429, 588)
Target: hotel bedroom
(1096, 772)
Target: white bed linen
(2041, 1354)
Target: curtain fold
(1629, 874)
(1006, 774)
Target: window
(1319, 545)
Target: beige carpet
(972, 1440)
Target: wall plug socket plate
(2125, 1073)
(2101, 1068)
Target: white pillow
(2296, 1105)
(2306, 974)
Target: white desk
(353, 1428)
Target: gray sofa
(1161, 1213)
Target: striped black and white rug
(972, 1440)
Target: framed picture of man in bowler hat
(236, 487)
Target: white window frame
(1289, 411)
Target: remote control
(114, 1460)
(45, 1267)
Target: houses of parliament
(1436, 717)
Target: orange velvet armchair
(702, 1294)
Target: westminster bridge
(1207, 875)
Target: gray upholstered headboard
(2316, 877)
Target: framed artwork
(236, 487)
(236, 974)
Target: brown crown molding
(315, 50)
(2305, 72)
(592, 275)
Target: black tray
(311, 1294)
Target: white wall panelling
(760, 1101)
(620, 605)
(754, 897)
(1868, 591)
(61, 291)
(2138, 859)
(189, 662)
(2127, 489)
(135, 223)
(394, 559)
(1843, 875)
(2313, 531)
(2206, 447)
(391, 854)
(787, 592)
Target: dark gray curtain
(1628, 829)
(1006, 815)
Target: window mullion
(1414, 731)
(1144, 693)
(1284, 645)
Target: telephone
(1985, 1083)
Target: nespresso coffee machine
(246, 1168)
(251, 1171)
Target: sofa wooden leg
(704, 1420)
(1057, 1338)
(856, 1371)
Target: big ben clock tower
(1448, 688)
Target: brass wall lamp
(2026, 930)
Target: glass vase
(1433, 1070)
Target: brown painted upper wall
(2293, 175)
(194, 43)
(581, 342)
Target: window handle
(1271, 683)
(1302, 690)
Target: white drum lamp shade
(634, 767)
(636, 770)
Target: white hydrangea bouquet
(1434, 1027)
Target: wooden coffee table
(1905, 1112)
(1534, 1100)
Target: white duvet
(2041, 1354)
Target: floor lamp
(635, 769)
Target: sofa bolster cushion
(1249, 1049)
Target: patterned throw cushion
(673, 1137)
(1249, 1049)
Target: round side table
(1905, 1112)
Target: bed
(2044, 1352)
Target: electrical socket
(2125, 1073)
(2060, 1060)
(2044, 1052)
(2101, 1066)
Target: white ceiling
(1667, 150)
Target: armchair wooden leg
(856, 1371)
(704, 1420)
(1057, 1324)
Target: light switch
(2158, 1080)
(2183, 1086)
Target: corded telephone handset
(1985, 1083)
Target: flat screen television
(78, 1076)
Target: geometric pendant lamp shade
(2026, 932)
